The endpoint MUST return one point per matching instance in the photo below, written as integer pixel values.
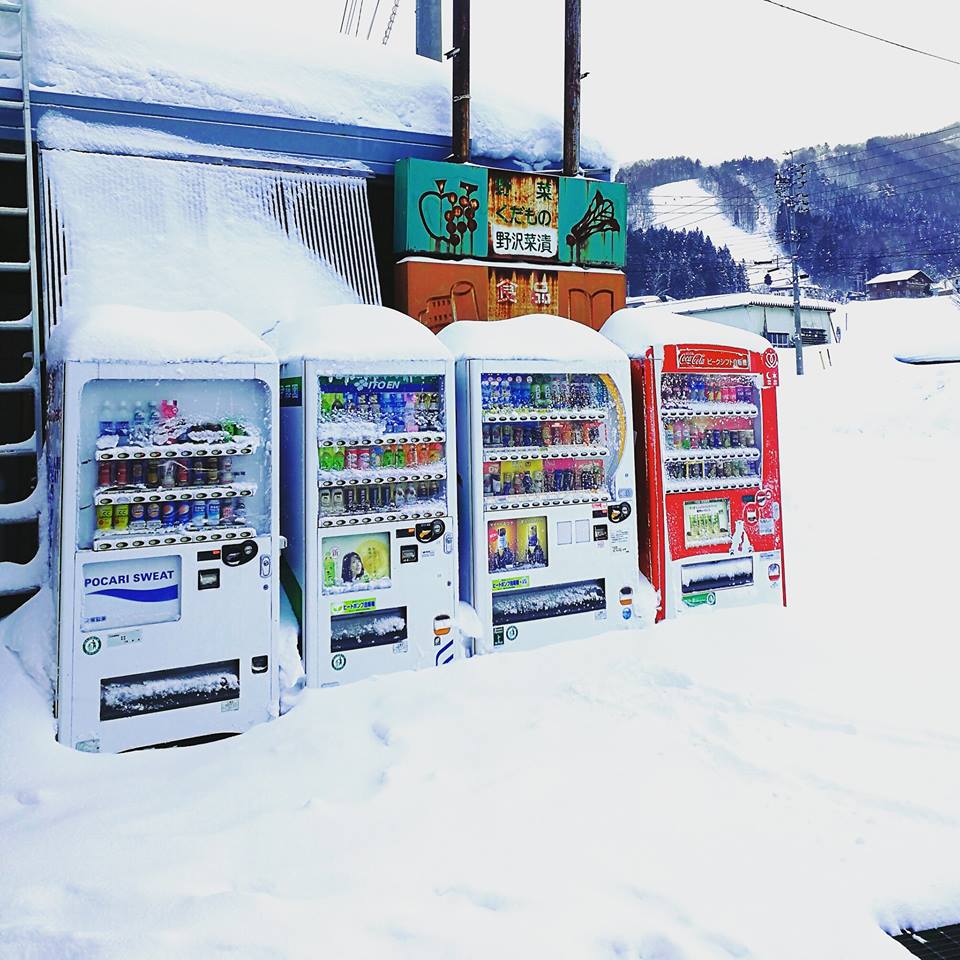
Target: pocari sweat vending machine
(705, 398)
(368, 494)
(548, 541)
(164, 485)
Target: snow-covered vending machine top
(710, 526)
(164, 493)
(548, 540)
(368, 496)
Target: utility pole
(429, 29)
(790, 182)
(461, 81)
(571, 89)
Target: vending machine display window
(381, 447)
(711, 430)
(172, 461)
(549, 437)
(517, 544)
(356, 562)
(706, 522)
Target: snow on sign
(124, 593)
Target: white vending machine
(164, 491)
(368, 494)
(548, 540)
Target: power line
(863, 33)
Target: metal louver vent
(326, 215)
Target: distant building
(905, 283)
(768, 315)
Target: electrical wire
(862, 33)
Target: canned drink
(326, 502)
(212, 470)
(198, 513)
(423, 453)
(546, 434)
(198, 472)
(556, 434)
(336, 503)
(104, 474)
(137, 473)
(121, 516)
(725, 437)
(138, 516)
(239, 511)
(122, 475)
(351, 458)
(349, 500)
(226, 510)
(400, 456)
(183, 512)
(105, 517)
(389, 456)
(412, 454)
(578, 434)
(213, 513)
(226, 470)
(487, 432)
(376, 458)
(168, 514)
(436, 452)
(152, 474)
(363, 459)
(168, 475)
(183, 473)
(495, 435)
(434, 490)
(153, 514)
(734, 438)
(362, 499)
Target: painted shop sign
(461, 210)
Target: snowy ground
(761, 783)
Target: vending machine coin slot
(428, 532)
(235, 554)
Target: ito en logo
(338, 662)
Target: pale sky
(719, 80)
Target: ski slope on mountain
(764, 784)
(686, 205)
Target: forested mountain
(680, 264)
(888, 204)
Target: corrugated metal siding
(328, 215)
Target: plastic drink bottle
(107, 423)
(138, 422)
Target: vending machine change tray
(371, 628)
(553, 600)
(142, 693)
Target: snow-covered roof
(898, 276)
(533, 337)
(725, 301)
(117, 333)
(285, 61)
(635, 330)
(355, 331)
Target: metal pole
(461, 81)
(429, 29)
(571, 90)
(797, 330)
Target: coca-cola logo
(692, 359)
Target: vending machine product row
(548, 538)
(369, 494)
(164, 486)
(710, 524)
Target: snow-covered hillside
(686, 205)
(763, 784)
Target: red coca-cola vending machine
(708, 461)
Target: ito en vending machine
(548, 547)
(164, 495)
(705, 399)
(368, 493)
